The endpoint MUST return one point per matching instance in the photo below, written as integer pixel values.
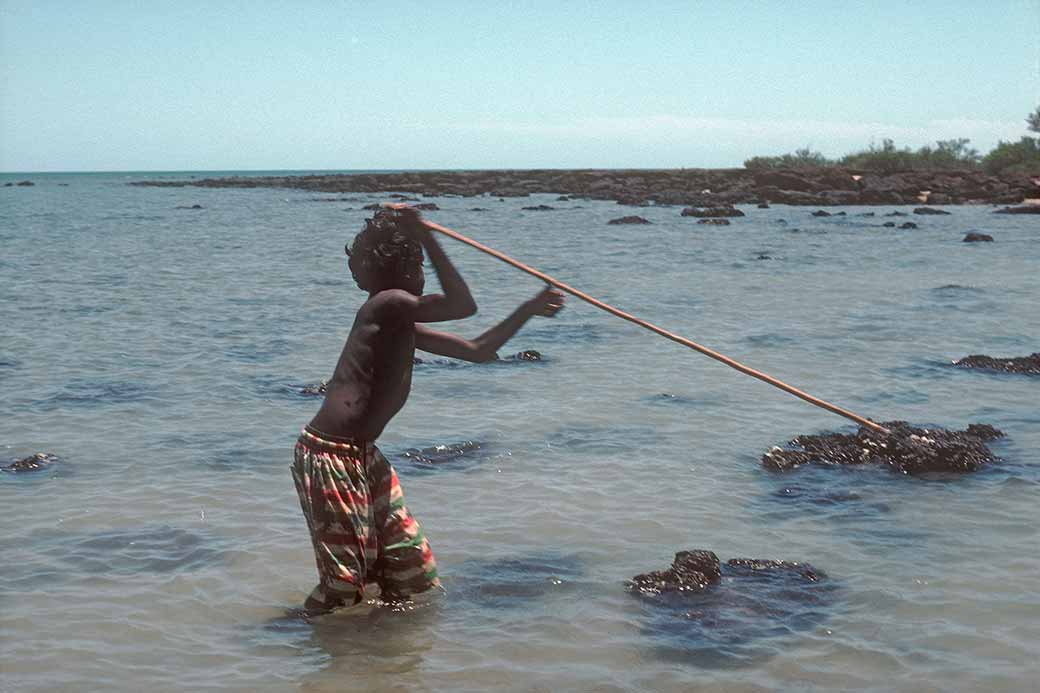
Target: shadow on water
(61, 555)
(589, 439)
(83, 392)
(748, 617)
(514, 582)
(259, 352)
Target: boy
(360, 528)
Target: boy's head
(383, 256)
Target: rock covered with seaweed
(905, 449)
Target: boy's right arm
(456, 302)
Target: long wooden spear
(654, 328)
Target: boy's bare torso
(373, 376)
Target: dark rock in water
(8, 185)
(1024, 209)
(26, 184)
(865, 214)
(32, 463)
(416, 361)
(896, 214)
(821, 213)
(439, 454)
(905, 449)
(478, 209)
(908, 225)
(714, 222)
(563, 198)
(929, 210)
(690, 571)
(539, 208)
(629, 220)
(318, 389)
(1028, 365)
(763, 205)
(188, 207)
(747, 566)
(763, 256)
(713, 615)
(978, 238)
(426, 206)
(712, 212)
(528, 355)
(889, 224)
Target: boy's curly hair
(382, 254)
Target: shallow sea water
(159, 352)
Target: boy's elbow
(468, 309)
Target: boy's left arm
(485, 347)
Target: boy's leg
(339, 522)
(405, 565)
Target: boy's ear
(346, 249)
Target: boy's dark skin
(373, 377)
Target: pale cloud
(753, 133)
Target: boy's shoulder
(390, 304)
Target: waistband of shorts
(313, 436)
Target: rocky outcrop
(629, 220)
(527, 355)
(697, 571)
(974, 237)
(687, 187)
(25, 184)
(712, 212)
(1024, 209)
(929, 210)
(690, 571)
(1027, 365)
(32, 463)
(714, 222)
(539, 208)
(904, 449)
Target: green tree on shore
(1033, 120)
(1017, 157)
(947, 155)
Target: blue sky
(344, 85)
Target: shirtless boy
(360, 528)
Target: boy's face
(415, 283)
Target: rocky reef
(32, 463)
(1024, 209)
(690, 187)
(905, 449)
(698, 570)
(629, 220)
(973, 237)
(1028, 365)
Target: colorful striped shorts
(361, 530)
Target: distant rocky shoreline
(693, 187)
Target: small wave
(956, 290)
(769, 339)
(91, 393)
